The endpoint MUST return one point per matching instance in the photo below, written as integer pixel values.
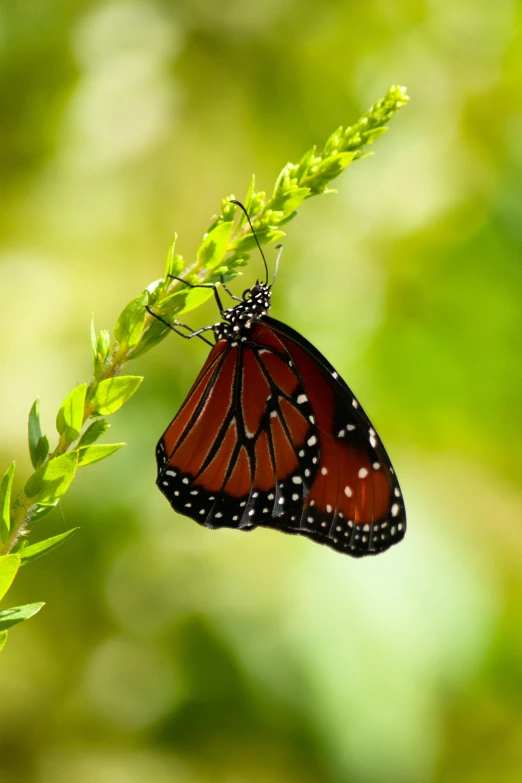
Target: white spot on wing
(363, 473)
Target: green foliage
(34, 551)
(174, 263)
(17, 614)
(88, 454)
(9, 565)
(112, 393)
(38, 443)
(5, 502)
(223, 251)
(215, 244)
(130, 324)
(52, 480)
(93, 432)
(69, 419)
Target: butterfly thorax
(239, 320)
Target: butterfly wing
(270, 435)
(243, 450)
(355, 504)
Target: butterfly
(271, 436)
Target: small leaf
(112, 393)
(215, 244)
(90, 454)
(42, 450)
(264, 235)
(334, 142)
(287, 203)
(42, 548)
(247, 203)
(183, 301)
(20, 544)
(154, 334)
(5, 503)
(174, 263)
(35, 431)
(51, 481)
(130, 323)
(103, 346)
(17, 614)
(95, 431)
(3, 639)
(9, 565)
(332, 166)
(39, 512)
(70, 416)
(304, 164)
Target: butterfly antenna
(279, 249)
(243, 208)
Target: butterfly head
(258, 296)
(238, 321)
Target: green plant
(81, 419)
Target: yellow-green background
(167, 652)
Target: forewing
(242, 449)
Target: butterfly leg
(202, 285)
(197, 333)
(229, 292)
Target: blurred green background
(167, 652)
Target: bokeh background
(167, 652)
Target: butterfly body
(271, 436)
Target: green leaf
(90, 454)
(103, 346)
(334, 142)
(42, 450)
(304, 164)
(3, 639)
(5, 503)
(20, 544)
(39, 512)
(35, 431)
(264, 235)
(51, 481)
(130, 323)
(17, 614)
(42, 548)
(183, 301)
(174, 263)
(70, 416)
(112, 393)
(154, 334)
(247, 202)
(332, 166)
(287, 203)
(214, 245)
(9, 565)
(95, 431)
